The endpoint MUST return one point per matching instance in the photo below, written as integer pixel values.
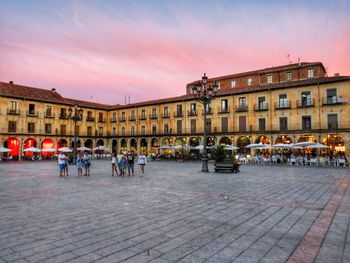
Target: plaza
(174, 214)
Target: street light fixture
(204, 94)
(77, 116)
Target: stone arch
(100, 142)
(143, 146)
(30, 142)
(13, 144)
(225, 140)
(262, 139)
(242, 142)
(133, 145)
(47, 143)
(89, 143)
(285, 139)
(307, 138)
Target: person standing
(130, 162)
(61, 159)
(80, 164)
(66, 160)
(142, 161)
(87, 163)
(121, 163)
(114, 164)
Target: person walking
(142, 161)
(130, 162)
(66, 160)
(80, 164)
(121, 163)
(61, 160)
(114, 164)
(87, 163)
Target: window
(283, 123)
(31, 127)
(154, 113)
(100, 117)
(77, 130)
(269, 78)
(166, 111)
(123, 116)
(306, 98)
(166, 128)
(143, 129)
(48, 128)
(123, 131)
(242, 123)
(250, 81)
(262, 105)
(179, 110)
(48, 112)
(208, 125)
(332, 120)
(63, 129)
(262, 124)
(224, 105)
(233, 83)
(31, 109)
(143, 114)
(132, 130)
(114, 131)
(179, 126)
(283, 101)
(100, 131)
(154, 129)
(193, 126)
(331, 96)
(310, 73)
(208, 107)
(13, 106)
(306, 123)
(133, 115)
(12, 126)
(114, 116)
(224, 124)
(289, 76)
(63, 113)
(193, 108)
(89, 114)
(219, 85)
(89, 131)
(242, 101)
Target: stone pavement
(174, 214)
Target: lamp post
(77, 116)
(204, 94)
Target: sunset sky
(104, 50)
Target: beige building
(290, 103)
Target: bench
(227, 167)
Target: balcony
(261, 107)
(192, 113)
(306, 103)
(122, 119)
(282, 105)
(49, 115)
(90, 119)
(334, 101)
(132, 118)
(13, 111)
(142, 118)
(63, 116)
(208, 111)
(113, 120)
(32, 113)
(178, 114)
(242, 108)
(31, 130)
(166, 115)
(12, 130)
(153, 116)
(102, 120)
(222, 110)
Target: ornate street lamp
(204, 94)
(77, 116)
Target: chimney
(11, 82)
(336, 74)
(53, 90)
(299, 61)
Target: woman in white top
(114, 162)
(142, 161)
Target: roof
(265, 70)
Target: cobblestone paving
(174, 214)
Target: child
(142, 161)
(80, 164)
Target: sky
(105, 50)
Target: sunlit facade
(286, 104)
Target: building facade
(289, 104)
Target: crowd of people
(121, 163)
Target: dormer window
(310, 73)
(289, 75)
(233, 83)
(250, 81)
(269, 78)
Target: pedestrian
(142, 161)
(121, 163)
(66, 164)
(130, 162)
(61, 163)
(87, 163)
(80, 164)
(114, 164)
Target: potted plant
(223, 162)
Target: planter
(226, 167)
